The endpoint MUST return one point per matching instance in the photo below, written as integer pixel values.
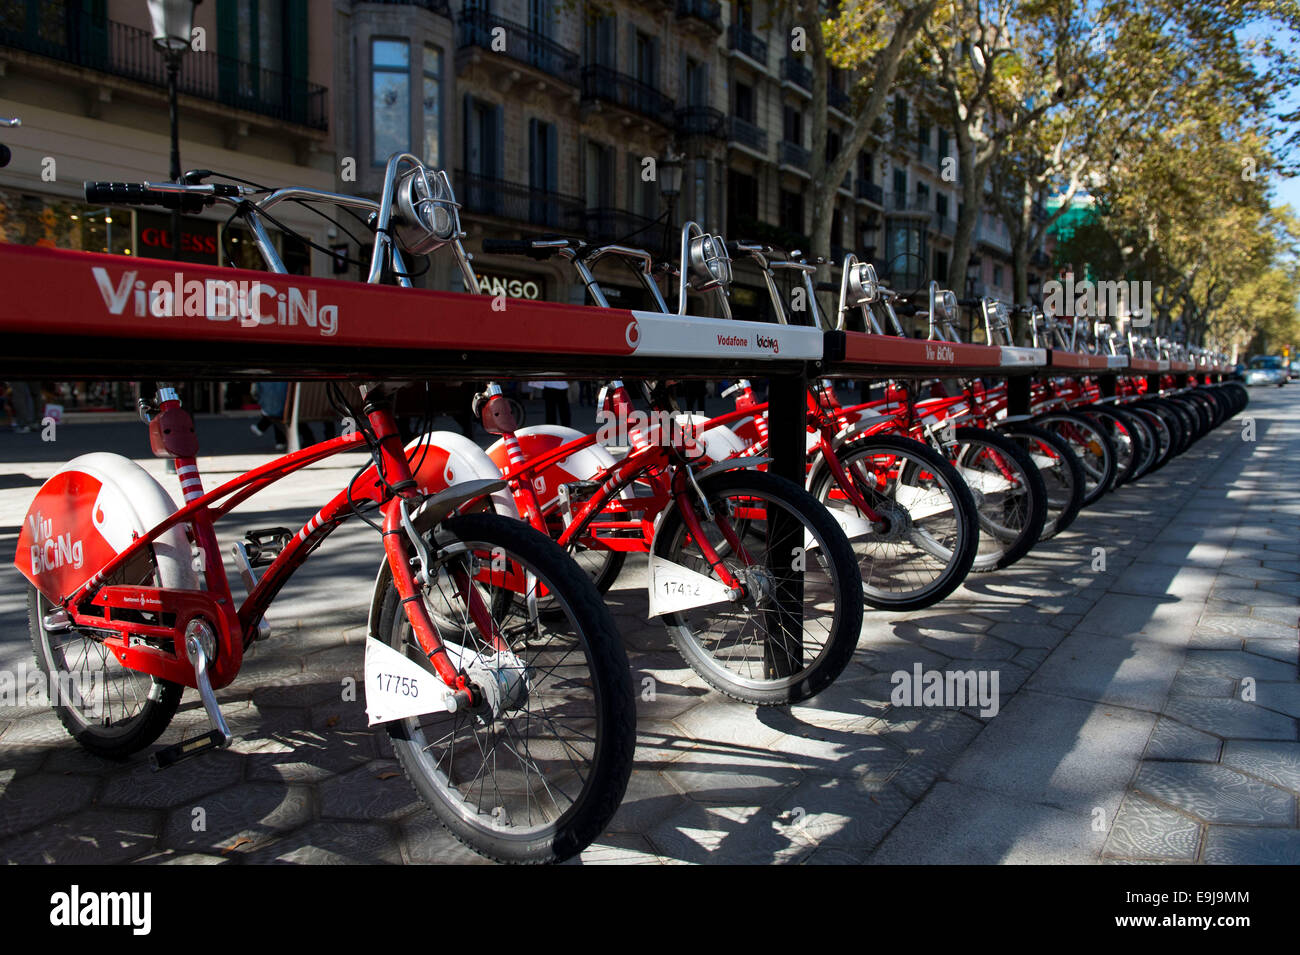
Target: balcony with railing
(944, 224)
(793, 155)
(603, 84)
(478, 29)
(870, 192)
(707, 12)
(94, 42)
(485, 195)
(701, 121)
(908, 203)
(740, 40)
(746, 134)
(989, 233)
(792, 71)
(440, 7)
(606, 225)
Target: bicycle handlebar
(139, 194)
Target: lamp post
(173, 23)
(670, 186)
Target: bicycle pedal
(263, 545)
(173, 754)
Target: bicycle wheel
(922, 549)
(1010, 497)
(1164, 441)
(109, 710)
(1061, 472)
(1146, 446)
(536, 769)
(1092, 445)
(1128, 450)
(793, 631)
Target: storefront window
(64, 224)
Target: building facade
(255, 101)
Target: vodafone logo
(632, 334)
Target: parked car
(1266, 370)
(1295, 369)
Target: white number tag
(397, 687)
(674, 587)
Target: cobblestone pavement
(1148, 707)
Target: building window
(543, 172)
(941, 205)
(922, 196)
(390, 100)
(742, 202)
(790, 214)
(943, 143)
(599, 175)
(433, 106)
(647, 59)
(642, 193)
(700, 190)
(900, 188)
(697, 83)
(900, 113)
(905, 253)
(745, 102)
(940, 266)
(997, 275)
(599, 41)
(793, 125)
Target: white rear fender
(465, 461)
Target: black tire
(1174, 421)
(86, 680)
(1121, 431)
(942, 548)
(1062, 474)
(1145, 443)
(1095, 450)
(594, 690)
(771, 670)
(1166, 441)
(1012, 510)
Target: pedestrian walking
(555, 399)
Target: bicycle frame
(236, 629)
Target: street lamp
(670, 185)
(173, 23)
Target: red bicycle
(754, 580)
(516, 727)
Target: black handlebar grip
(5, 155)
(135, 194)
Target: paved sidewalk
(1148, 709)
